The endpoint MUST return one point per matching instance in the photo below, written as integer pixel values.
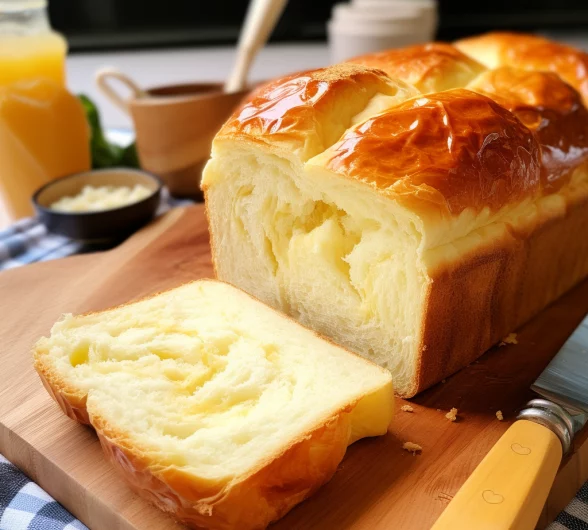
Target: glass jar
(43, 128)
(29, 48)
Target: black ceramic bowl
(115, 223)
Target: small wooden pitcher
(174, 126)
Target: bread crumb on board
(499, 415)
(452, 414)
(412, 447)
(406, 408)
(511, 338)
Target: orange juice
(32, 56)
(43, 135)
(43, 128)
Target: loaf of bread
(413, 205)
(211, 405)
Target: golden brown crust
(252, 503)
(449, 151)
(475, 302)
(550, 108)
(431, 67)
(306, 112)
(530, 52)
(71, 401)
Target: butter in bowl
(105, 204)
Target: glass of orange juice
(43, 130)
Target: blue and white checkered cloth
(28, 241)
(25, 506)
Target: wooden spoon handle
(103, 77)
(508, 489)
(260, 21)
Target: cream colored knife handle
(509, 487)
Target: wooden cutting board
(378, 485)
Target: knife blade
(565, 380)
(509, 487)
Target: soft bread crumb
(452, 414)
(406, 408)
(511, 338)
(499, 415)
(412, 447)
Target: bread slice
(213, 406)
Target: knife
(509, 487)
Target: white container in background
(366, 26)
(423, 10)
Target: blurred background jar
(43, 129)
(366, 26)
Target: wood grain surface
(378, 484)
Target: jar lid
(21, 5)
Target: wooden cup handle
(102, 78)
(508, 489)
